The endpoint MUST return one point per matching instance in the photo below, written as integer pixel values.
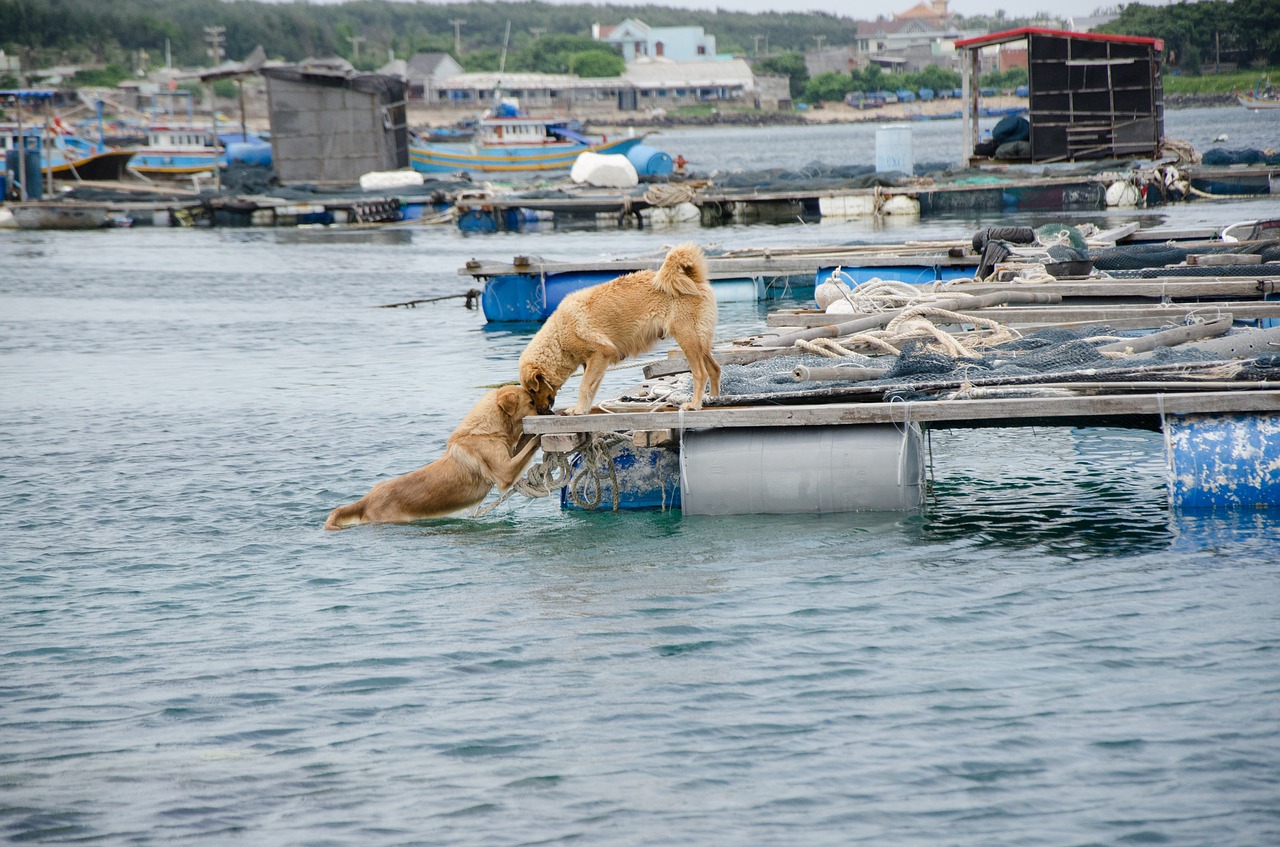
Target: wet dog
(485, 450)
(602, 325)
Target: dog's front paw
(691, 407)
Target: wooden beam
(844, 414)
(1022, 315)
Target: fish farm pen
(827, 410)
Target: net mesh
(920, 371)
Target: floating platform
(1198, 360)
(530, 289)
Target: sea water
(1046, 654)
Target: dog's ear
(509, 401)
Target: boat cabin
(1090, 96)
(515, 132)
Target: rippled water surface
(1045, 655)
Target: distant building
(637, 40)
(533, 90)
(840, 60)
(921, 36)
(1087, 24)
(643, 85)
(659, 83)
(425, 71)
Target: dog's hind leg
(702, 365)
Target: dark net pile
(921, 373)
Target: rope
(828, 347)
(599, 450)
(670, 194)
(542, 478)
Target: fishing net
(922, 372)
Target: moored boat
(511, 141)
(176, 150)
(1263, 96)
(60, 214)
(66, 155)
(1252, 101)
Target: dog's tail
(684, 271)
(342, 517)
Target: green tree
(107, 77)
(829, 86)
(790, 65)
(870, 78)
(597, 64)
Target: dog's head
(516, 403)
(540, 389)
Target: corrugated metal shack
(1091, 96)
(330, 124)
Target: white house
(638, 40)
(425, 72)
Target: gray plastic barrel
(649, 161)
(801, 470)
(894, 150)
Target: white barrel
(801, 470)
(894, 151)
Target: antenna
(502, 63)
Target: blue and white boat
(63, 154)
(511, 141)
(178, 150)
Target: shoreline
(825, 113)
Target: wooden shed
(1091, 96)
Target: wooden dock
(1219, 410)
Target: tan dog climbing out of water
(602, 325)
(485, 450)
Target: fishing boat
(1252, 101)
(177, 150)
(509, 140)
(64, 154)
(60, 214)
(1263, 96)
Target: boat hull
(450, 158)
(1251, 102)
(111, 164)
(60, 216)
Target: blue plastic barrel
(649, 161)
(249, 153)
(35, 180)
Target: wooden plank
(731, 267)
(1023, 315)
(1109, 237)
(676, 363)
(841, 414)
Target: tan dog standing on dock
(602, 325)
(481, 452)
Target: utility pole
(537, 31)
(819, 39)
(757, 37)
(214, 34)
(355, 46)
(457, 35)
